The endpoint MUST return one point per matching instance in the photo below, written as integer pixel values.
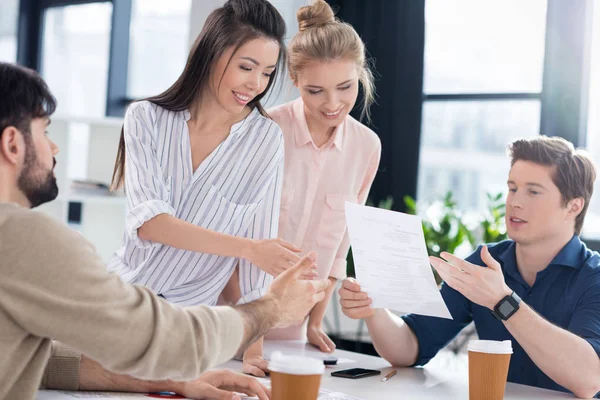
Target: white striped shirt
(236, 190)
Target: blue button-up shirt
(566, 293)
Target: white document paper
(391, 261)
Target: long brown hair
(234, 24)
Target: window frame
(567, 23)
(30, 41)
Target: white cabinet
(88, 148)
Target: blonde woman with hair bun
(330, 157)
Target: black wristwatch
(506, 307)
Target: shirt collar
(235, 128)
(302, 134)
(573, 255)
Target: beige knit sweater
(54, 286)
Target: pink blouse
(319, 180)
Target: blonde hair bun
(318, 13)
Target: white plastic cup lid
(295, 365)
(491, 346)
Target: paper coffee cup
(295, 377)
(488, 368)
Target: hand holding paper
(391, 261)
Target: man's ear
(11, 144)
(575, 206)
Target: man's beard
(37, 184)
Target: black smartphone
(331, 360)
(355, 373)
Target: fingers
(351, 295)
(249, 386)
(256, 366)
(289, 246)
(469, 268)
(253, 389)
(329, 343)
(351, 284)
(318, 297)
(253, 370)
(309, 276)
(321, 284)
(454, 283)
(289, 256)
(303, 266)
(451, 278)
(320, 287)
(289, 260)
(262, 364)
(355, 303)
(320, 343)
(449, 270)
(487, 258)
(358, 313)
(319, 339)
(459, 263)
(212, 393)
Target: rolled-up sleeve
(338, 268)
(62, 369)
(253, 280)
(148, 190)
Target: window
(159, 45)
(592, 223)
(285, 91)
(9, 10)
(484, 46)
(75, 53)
(482, 84)
(468, 139)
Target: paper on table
(64, 395)
(297, 348)
(391, 262)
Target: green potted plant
(492, 224)
(447, 231)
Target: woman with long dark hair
(203, 165)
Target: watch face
(506, 308)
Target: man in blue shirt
(541, 289)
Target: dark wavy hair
(24, 96)
(234, 24)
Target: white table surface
(432, 382)
(412, 383)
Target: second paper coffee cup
(295, 377)
(488, 368)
